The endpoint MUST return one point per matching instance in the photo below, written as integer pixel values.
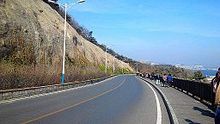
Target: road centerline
(74, 105)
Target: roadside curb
(171, 113)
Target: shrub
(198, 75)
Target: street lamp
(66, 6)
(113, 66)
(105, 59)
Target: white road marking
(74, 105)
(159, 113)
(46, 94)
(170, 108)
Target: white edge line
(159, 113)
(174, 117)
(46, 94)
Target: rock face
(31, 32)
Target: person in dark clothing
(157, 79)
(169, 79)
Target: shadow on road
(190, 121)
(205, 112)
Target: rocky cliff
(31, 33)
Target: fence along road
(121, 100)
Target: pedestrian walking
(169, 79)
(214, 84)
(158, 79)
(164, 80)
(216, 89)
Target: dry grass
(15, 76)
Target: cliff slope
(33, 22)
(31, 33)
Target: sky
(162, 31)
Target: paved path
(187, 109)
(121, 100)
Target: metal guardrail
(198, 89)
(195, 88)
(30, 91)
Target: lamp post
(64, 47)
(105, 59)
(66, 6)
(113, 66)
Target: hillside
(165, 69)
(31, 38)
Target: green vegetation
(164, 69)
(198, 75)
(116, 71)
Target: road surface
(119, 100)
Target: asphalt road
(120, 100)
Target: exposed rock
(32, 32)
(2, 2)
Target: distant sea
(209, 72)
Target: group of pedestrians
(167, 80)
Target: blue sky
(162, 31)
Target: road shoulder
(186, 108)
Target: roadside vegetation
(20, 76)
(186, 74)
(164, 69)
(198, 75)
